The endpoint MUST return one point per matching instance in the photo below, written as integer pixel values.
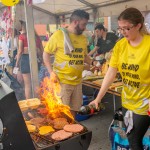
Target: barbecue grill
(15, 135)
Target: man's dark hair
(99, 27)
(78, 15)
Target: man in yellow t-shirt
(68, 68)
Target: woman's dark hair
(23, 23)
(16, 32)
(79, 14)
(134, 16)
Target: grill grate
(39, 141)
(44, 141)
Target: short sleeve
(113, 38)
(115, 57)
(99, 41)
(21, 37)
(51, 45)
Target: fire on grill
(47, 119)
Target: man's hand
(53, 77)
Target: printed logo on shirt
(75, 42)
(130, 78)
(131, 56)
(76, 57)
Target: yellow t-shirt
(134, 65)
(68, 67)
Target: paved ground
(99, 125)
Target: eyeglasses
(125, 29)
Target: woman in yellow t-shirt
(131, 57)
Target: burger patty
(75, 128)
(61, 135)
(37, 121)
(59, 123)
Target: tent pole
(31, 47)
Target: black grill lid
(16, 136)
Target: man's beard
(78, 30)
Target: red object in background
(148, 113)
(29, 2)
(40, 29)
(6, 17)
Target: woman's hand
(94, 102)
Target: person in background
(40, 50)
(89, 35)
(120, 36)
(23, 61)
(114, 31)
(5, 52)
(15, 47)
(131, 57)
(68, 67)
(106, 40)
(18, 76)
(8, 41)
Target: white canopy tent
(96, 8)
(50, 10)
(54, 11)
(57, 11)
(106, 7)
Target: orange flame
(49, 94)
